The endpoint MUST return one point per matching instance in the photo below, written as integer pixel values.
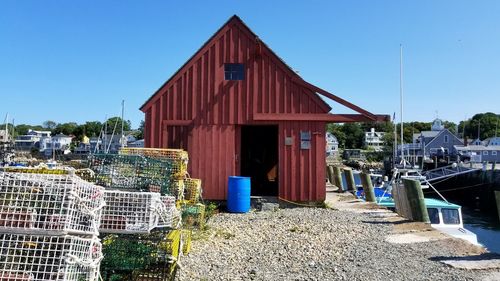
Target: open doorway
(259, 158)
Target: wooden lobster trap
(52, 204)
(37, 257)
(137, 212)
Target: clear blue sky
(76, 60)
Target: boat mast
(122, 136)
(401, 100)
(7, 127)
(395, 139)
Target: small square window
(494, 152)
(485, 152)
(234, 71)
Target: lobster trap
(178, 157)
(177, 188)
(49, 204)
(132, 172)
(154, 256)
(137, 212)
(36, 257)
(192, 189)
(193, 215)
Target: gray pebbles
(312, 244)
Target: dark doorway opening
(259, 158)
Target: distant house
(59, 143)
(479, 153)
(477, 142)
(4, 136)
(492, 141)
(437, 142)
(353, 154)
(374, 140)
(137, 143)
(30, 140)
(332, 145)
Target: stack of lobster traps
(146, 191)
(49, 221)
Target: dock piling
(416, 200)
(366, 181)
(337, 178)
(349, 176)
(497, 197)
(329, 173)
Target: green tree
(92, 128)
(65, 128)
(117, 121)
(49, 125)
(354, 135)
(22, 129)
(140, 131)
(485, 123)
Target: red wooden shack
(238, 109)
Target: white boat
(447, 217)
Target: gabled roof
(442, 132)
(296, 78)
(429, 134)
(238, 20)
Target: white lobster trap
(37, 257)
(49, 204)
(137, 212)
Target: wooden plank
(166, 123)
(333, 118)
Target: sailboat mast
(401, 99)
(122, 136)
(7, 127)
(395, 139)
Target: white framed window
(494, 152)
(485, 152)
(445, 139)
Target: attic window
(234, 71)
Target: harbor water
(487, 228)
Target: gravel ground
(313, 244)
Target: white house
(332, 145)
(4, 136)
(30, 140)
(374, 140)
(137, 143)
(59, 142)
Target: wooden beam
(340, 100)
(176, 123)
(313, 117)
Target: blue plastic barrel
(238, 194)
